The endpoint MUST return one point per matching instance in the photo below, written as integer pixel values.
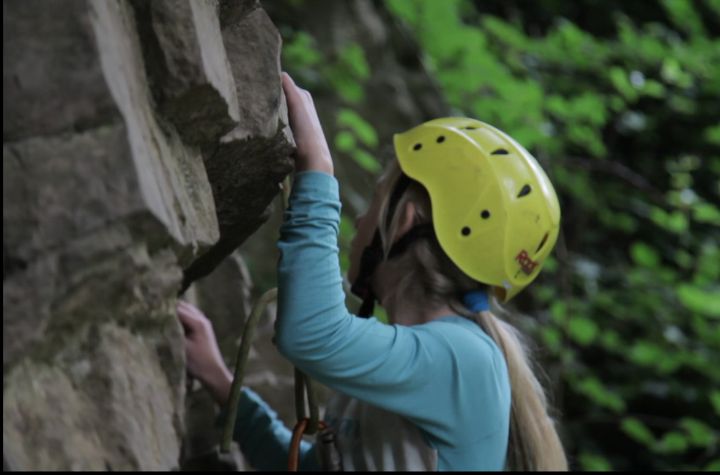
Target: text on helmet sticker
(527, 264)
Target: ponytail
(534, 442)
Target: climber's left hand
(203, 357)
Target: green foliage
(599, 394)
(343, 72)
(638, 431)
(699, 300)
(348, 72)
(301, 51)
(594, 462)
(347, 231)
(624, 126)
(361, 128)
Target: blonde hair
(534, 443)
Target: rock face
(142, 144)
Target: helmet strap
(373, 254)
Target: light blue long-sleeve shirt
(447, 376)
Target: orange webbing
(298, 431)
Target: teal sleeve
(263, 438)
(419, 371)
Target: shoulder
(474, 372)
(463, 338)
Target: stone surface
(44, 40)
(116, 170)
(98, 316)
(257, 77)
(121, 131)
(170, 174)
(105, 404)
(233, 11)
(246, 168)
(188, 67)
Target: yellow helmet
(494, 210)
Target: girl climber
(447, 384)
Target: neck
(408, 309)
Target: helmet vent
(417, 146)
(470, 127)
(485, 214)
(500, 151)
(542, 243)
(441, 139)
(465, 231)
(524, 191)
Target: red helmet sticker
(527, 264)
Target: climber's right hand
(312, 148)
(204, 360)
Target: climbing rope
(240, 363)
(308, 422)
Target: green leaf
(638, 431)
(594, 463)
(505, 32)
(552, 338)
(550, 264)
(408, 11)
(685, 16)
(646, 353)
(347, 87)
(708, 264)
(366, 161)
(675, 222)
(558, 311)
(683, 258)
(673, 73)
(672, 443)
(653, 88)
(594, 389)
(644, 255)
(362, 129)
(301, 51)
(347, 229)
(619, 79)
(715, 400)
(712, 134)
(699, 433)
(706, 213)
(345, 141)
(344, 262)
(353, 56)
(700, 300)
(381, 314)
(582, 330)
(611, 340)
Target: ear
(407, 220)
